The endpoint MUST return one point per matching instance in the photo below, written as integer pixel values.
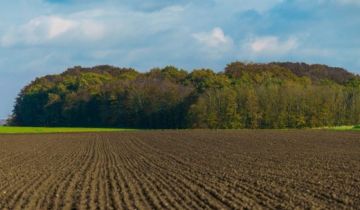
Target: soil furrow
(181, 170)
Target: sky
(40, 37)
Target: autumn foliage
(244, 95)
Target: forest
(244, 95)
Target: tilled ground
(181, 170)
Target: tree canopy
(244, 95)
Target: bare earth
(181, 170)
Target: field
(29, 130)
(41, 130)
(344, 128)
(181, 170)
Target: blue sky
(39, 37)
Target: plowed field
(181, 170)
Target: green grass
(29, 130)
(39, 130)
(344, 128)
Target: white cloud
(58, 26)
(44, 29)
(271, 45)
(92, 30)
(117, 25)
(214, 39)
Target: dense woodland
(244, 95)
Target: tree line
(244, 95)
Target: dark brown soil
(181, 170)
